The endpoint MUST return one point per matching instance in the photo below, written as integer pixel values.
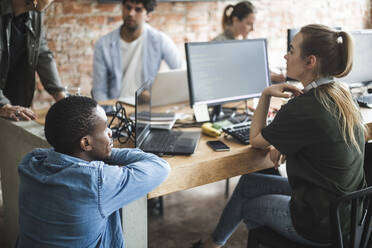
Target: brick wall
(74, 25)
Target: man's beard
(131, 28)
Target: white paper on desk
(201, 112)
(130, 100)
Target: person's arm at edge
(47, 70)
(15, 113)
(171, 55)
(100, 80)
(259, 122)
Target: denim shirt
(108, 64)
(68, 202)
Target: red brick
(114, 19)
(113, 7)
(92, 20)
(70, 7)
(67, 20)
(85, 67)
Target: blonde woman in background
(321, 134)
(237, 22)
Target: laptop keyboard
(239, 131)
(162, 143)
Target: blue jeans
(258, 199)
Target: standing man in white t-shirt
(131, 55)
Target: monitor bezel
(141, 137)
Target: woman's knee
(255, 184)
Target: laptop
(161, 142)
(173, 85)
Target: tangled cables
(123, 129)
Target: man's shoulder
(108, 38)
(154, 33)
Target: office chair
(359, 233)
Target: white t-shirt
(132, 53)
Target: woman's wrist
(265, 93)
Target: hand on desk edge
(17, 113)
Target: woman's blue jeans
(258, 199)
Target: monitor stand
(218, 113)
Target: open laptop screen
(143, 106)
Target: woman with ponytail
(321, 135)
(237, 22)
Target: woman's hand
(16, 113)
(59, 95)
(279, 90)
(276, 157)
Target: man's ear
(148, 17)
(85, 143)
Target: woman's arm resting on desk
(276, 157)
(260, 114)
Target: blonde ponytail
(346, 44)
(337, 100)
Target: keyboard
(365, 100)
(239, 118)
(239, 131)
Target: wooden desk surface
(207, 166)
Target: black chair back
(360, 226)
(368, 163)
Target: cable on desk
(124, 130)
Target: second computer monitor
(362, 62)
(220, 72)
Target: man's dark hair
(68, 120)
(148, 4)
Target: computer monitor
(226, 71)
(290, 35)
(361, 73)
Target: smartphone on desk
(218, 146)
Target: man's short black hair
(68, 120)
(148, 4)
